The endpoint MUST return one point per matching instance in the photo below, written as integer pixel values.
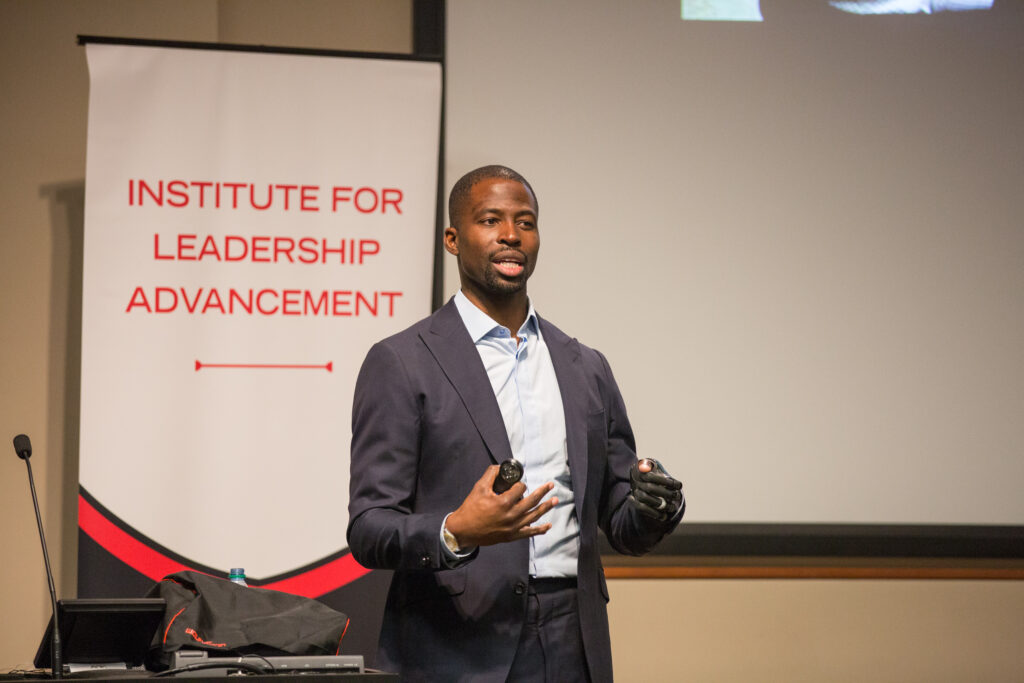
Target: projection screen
(797, 240)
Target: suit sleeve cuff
(449, 556)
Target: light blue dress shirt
(524, 383)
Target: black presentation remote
(509, 473)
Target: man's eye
(526, 225)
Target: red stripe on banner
(121, 545)
(155, 565)
(322, 579)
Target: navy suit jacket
(425, 426)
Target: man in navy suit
(487, 586)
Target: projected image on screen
(908, 6)
(750, 10)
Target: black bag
(208, 613)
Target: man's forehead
(491, 192)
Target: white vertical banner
(253, 223)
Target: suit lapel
(572, 383)
(452, 347)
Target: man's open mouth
(509, 265)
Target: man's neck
(509, 312)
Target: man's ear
(451, 240)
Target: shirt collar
(480, 324)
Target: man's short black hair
(460, 193)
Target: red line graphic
(329, 367)
(150, 562)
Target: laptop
(96, 633)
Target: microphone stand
(24, 450)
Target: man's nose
(509, 233)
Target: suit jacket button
(425, 561)
(520, 588)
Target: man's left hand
(653, 490)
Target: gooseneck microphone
(23, 447)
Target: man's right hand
(487, 518)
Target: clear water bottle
(237, 575)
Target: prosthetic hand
(654, 492)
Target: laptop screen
(103, 630)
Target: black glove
(655, 493)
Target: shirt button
(520, 588)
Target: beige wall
(720, 630)
(814, 631)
